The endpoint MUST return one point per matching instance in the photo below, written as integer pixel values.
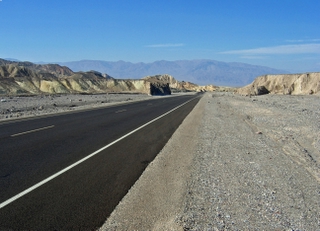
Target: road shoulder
(156, 200)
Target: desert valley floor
(235, 163)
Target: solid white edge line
(12, 199)
(34, 130)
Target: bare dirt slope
(236, 163)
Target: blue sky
(283, 34)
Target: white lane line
(35, 130)
(123, 110)
(12, 199)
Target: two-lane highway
(68, 172)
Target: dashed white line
(34, 130)
(123, 110)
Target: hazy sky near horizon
(283, 34)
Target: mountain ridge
(199, 71)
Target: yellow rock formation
(291, 84)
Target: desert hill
(201, 72)
(54, 69)
(293, 84)
(30, 78)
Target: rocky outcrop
(159, 88)
(293, 84)
(177, 86)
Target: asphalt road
(80, 197)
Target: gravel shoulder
(236, 163)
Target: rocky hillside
(17, 79)
(174, 84)
(29, 78)
(177, 86)
(54, 69)
(293, 84)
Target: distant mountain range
(201, 72)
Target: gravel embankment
(28, 106)
(236, 163)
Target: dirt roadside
(236, 163)
(257, 165)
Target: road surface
(69, 171)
